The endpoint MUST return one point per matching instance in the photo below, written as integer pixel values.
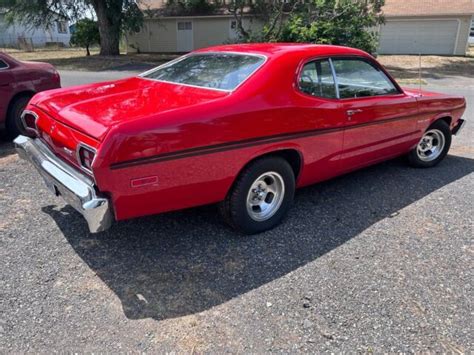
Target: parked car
(241, 125)
(19, 81)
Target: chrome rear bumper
(76, 188)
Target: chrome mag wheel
(265, 196)
(431, 145)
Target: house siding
(210, 32)
(463, 40)
(38, 37)
(156, 36)
(160, 35)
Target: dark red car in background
(19, 81)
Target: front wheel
(261, 196)
(432, 147)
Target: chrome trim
(76, 188)
(29, 129)
(459, 126)
(336, 81)
(264, 57)
(78, 157)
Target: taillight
(29, 119)
(85, 156)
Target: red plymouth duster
(239, 125)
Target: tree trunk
(88, 54)
(109, 19)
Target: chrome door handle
(353, 112)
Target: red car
(19, 81)
(242, 125)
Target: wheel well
(18, 95)
(292, 156)
(446, 119)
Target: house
(412, 27)
(22, 36)
(426, 27)
(167, 33)
(471, 34)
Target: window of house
(62, 26)
(3, 65)
(233, 25)
(316, 79)
(359, 78)
(183, 26)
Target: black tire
(415, 158)
(13, 123)
(234, 208)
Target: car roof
(8, 58)
(278, 49)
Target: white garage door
(418, 36)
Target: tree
(113, 16)
(270, 12)
(339, 22)
(189, 7)
(86, 34)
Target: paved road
(377, 260)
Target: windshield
(222, 71)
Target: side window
(316, 79)
(358, 78)
(3, 65)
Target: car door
(321, 110)
(381, 120)
(5, 89)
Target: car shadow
(6, 146)
(185, 262)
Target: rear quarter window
(316, 79)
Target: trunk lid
(94, 109)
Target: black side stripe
(217, 148)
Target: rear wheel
(432, 147)
(261, 196)
(14, 124)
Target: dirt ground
(405, 68)
(75, 59)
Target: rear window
(222, 71)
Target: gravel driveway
(378, 260)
